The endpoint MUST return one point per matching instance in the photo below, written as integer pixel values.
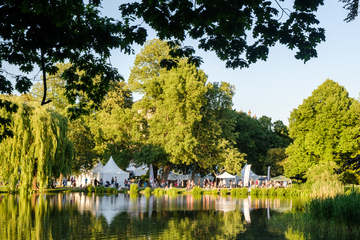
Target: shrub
(271, 192)
(89, 188)
(280, 192)
(243, 191)
(159, 191)
(196, 190)
(100, 189)
(214, 191)
(233, 192)
(147, 190)
(263, 191)
(172, 191)
(134, 188)
(111, 190)
(254, 191)
(223, 191)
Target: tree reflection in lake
(80, 216)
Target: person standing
(85, 182)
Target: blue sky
(275, 87)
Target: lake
(124, 216)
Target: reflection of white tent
(112, 170)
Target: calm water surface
(122, 216)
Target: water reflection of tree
(47, 217)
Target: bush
(134, 188)
(271, 192)
(159, 191)
(147, 191)
(233, 192)
(280, 192)
(224, 191)
(89, 188)
(254, 191)
(172, 191)
(111, 190)
(196, 190)
(242, 191)
(214, 191)
(263, 191)
(100, 189)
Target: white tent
(138, 171)
(111, 170)
(142, 170)
(253, 175)
(226, 175)
(96, 170)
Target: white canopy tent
(138, 171)
(111, 170)
(253, 175)
(226, 175)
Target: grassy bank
(335, 217)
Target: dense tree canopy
(39, 149)
(190, 119)
(325, 128)
(256, 136)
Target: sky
(278, 85)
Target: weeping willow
(40, 149)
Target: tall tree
(324, 128)
(39, 149)
(190, 119)
(255, 137)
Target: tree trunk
(194, 171)
(155, 169)
(34, 181)
(167, 169)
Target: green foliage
(147, 190)
(196, 190)
(324, 128)
(215, 191)
(159, 191)
(111, 190)
(275, 158)
(280, 191)
(341, 208)
(254, 192)
(40, 148)
(257, 137)
(224, 191)
(172, 191)
(242, 191)
(225, 30)
(100, 189)
(134, 188)
(34, 35)
(187, 120)
(271, 191)
(233, 192)
(89, 188)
